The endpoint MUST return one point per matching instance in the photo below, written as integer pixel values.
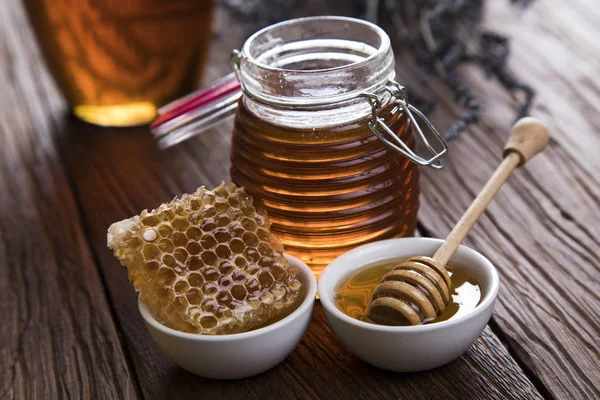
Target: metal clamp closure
(392, 140)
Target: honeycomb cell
(194, 263)
(180, 254)
(193, 233)
(209, 305)
(208, 322)
(222, 251)
(250, 239)
(208, 199)
(252, 269)
(252, 286)
(265, 280)
(195, 218)
(151, 267)
(247, 209)
(239, 292)
(225, 282)
(150, 220)
(239, 278)
(195, 204)
(263, 234)
(166, 215)
(209, 212)
(165, 230)
(151, 252)
(234, 202)
(181, 287)
(277, 272)
(211, 274)
(209, 257)
(180, 224)
(208, 242)
(222, 236)
(224, 298)
(194, 296)
(181, 302)
(208, 225)
(234, 214)
(179, 239)
(265, 249)
(165, 246)
(240, 262)
(193, 248)
(169, 261)
(226, 268)
(195, 280)
(236, 246)
(206, 263)
(236, 230)
(249, 224)
(222, 206)
(251, 254)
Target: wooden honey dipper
(418, 289)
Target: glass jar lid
(325, 67)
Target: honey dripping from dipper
(352, 296)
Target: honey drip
(207, 263)
(327, 190)
(353, 295)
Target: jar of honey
(323, 139)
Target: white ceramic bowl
(408, 348)
(243, 354)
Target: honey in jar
(302, 144)
(323, 137)
(353, 294)
(116, 61)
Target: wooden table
(70, 326)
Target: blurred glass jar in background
(117, 61)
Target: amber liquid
(117, 61)
(352, 296)
(329, 190)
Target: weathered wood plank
(543, 231)
(57, 336)
(118, 172)
(122, 172)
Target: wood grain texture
(57, 337)
(542, 233)
(117, 173)
(122, 172)
(543, 230)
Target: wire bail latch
(392, 140)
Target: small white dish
(243, 354)
(408, 348)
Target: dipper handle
(527, 138)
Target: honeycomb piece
(206, 263)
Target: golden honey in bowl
(353, 294)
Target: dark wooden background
(70, 326)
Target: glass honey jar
(324, 139)
(117, 61)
